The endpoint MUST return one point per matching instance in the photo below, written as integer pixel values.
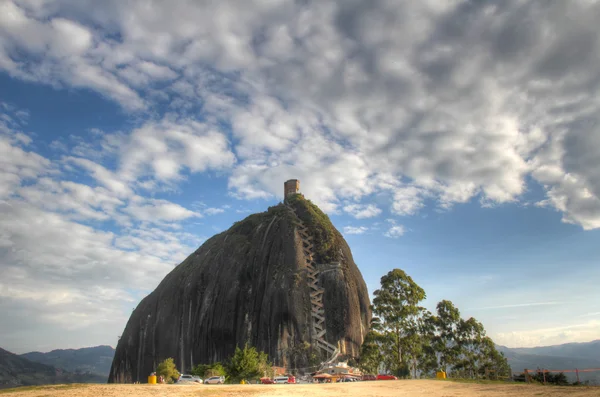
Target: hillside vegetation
(18, 371)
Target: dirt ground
(362, 389)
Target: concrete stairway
(316, 292)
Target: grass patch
(326, 237)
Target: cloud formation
(395, 231)
(355, 229)
(438, 101)
(416, 103)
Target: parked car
(215, 380)
(184, 378)
(386, 377)
(369, 377)
(285, 379)
(266, 381)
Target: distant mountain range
(16, 371)
(567, 356)
(95, 360)
(92, 364)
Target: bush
(326, 237)
(168, 370)
(559, 379)
(247, 364)
(207, 370)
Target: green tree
(168, 370)
(470, 348)
(559, 379)
(370, 353)
(208, 370)
(409, 340)
(447, 323)
(428, 359)
(248, 364)
(396, 304)
(493, 363)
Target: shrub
(168, 370)
(247, 364)
(207, 370)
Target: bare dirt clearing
(375, 389)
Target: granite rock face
(249, 284)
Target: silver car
(215, 380)
(183, 378)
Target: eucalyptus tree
(396, 305)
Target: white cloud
(360, 211)
(395, 231)
(18, 165)
(162, 150)
(46, 249)
(157, 72)
(72, 199)
(71, 38)
(355, 229)
(415, 109)
(582, 332)
(213, 211)
(104, 176)
(157, 211)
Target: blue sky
(459, 142)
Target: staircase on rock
(316, 292)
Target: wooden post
(544, 373)
(577, 372)
(526, 375)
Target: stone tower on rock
(290, 188)
(283, 280)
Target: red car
(369, 377)
(386, 377)
(266, 381)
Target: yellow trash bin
(440, 375)
(152, 379)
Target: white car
(183, 378)
(281, 379)
(215, 380)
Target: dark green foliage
(300, 352)
(207, 370)
(410, 341)
(396, 304)
(371, 353)
(247, 364)
(559, 379)
(325, 235)
(168, 370)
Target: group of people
(159, 379)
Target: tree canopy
(168, 370)
(408, 340)
(248, 364)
